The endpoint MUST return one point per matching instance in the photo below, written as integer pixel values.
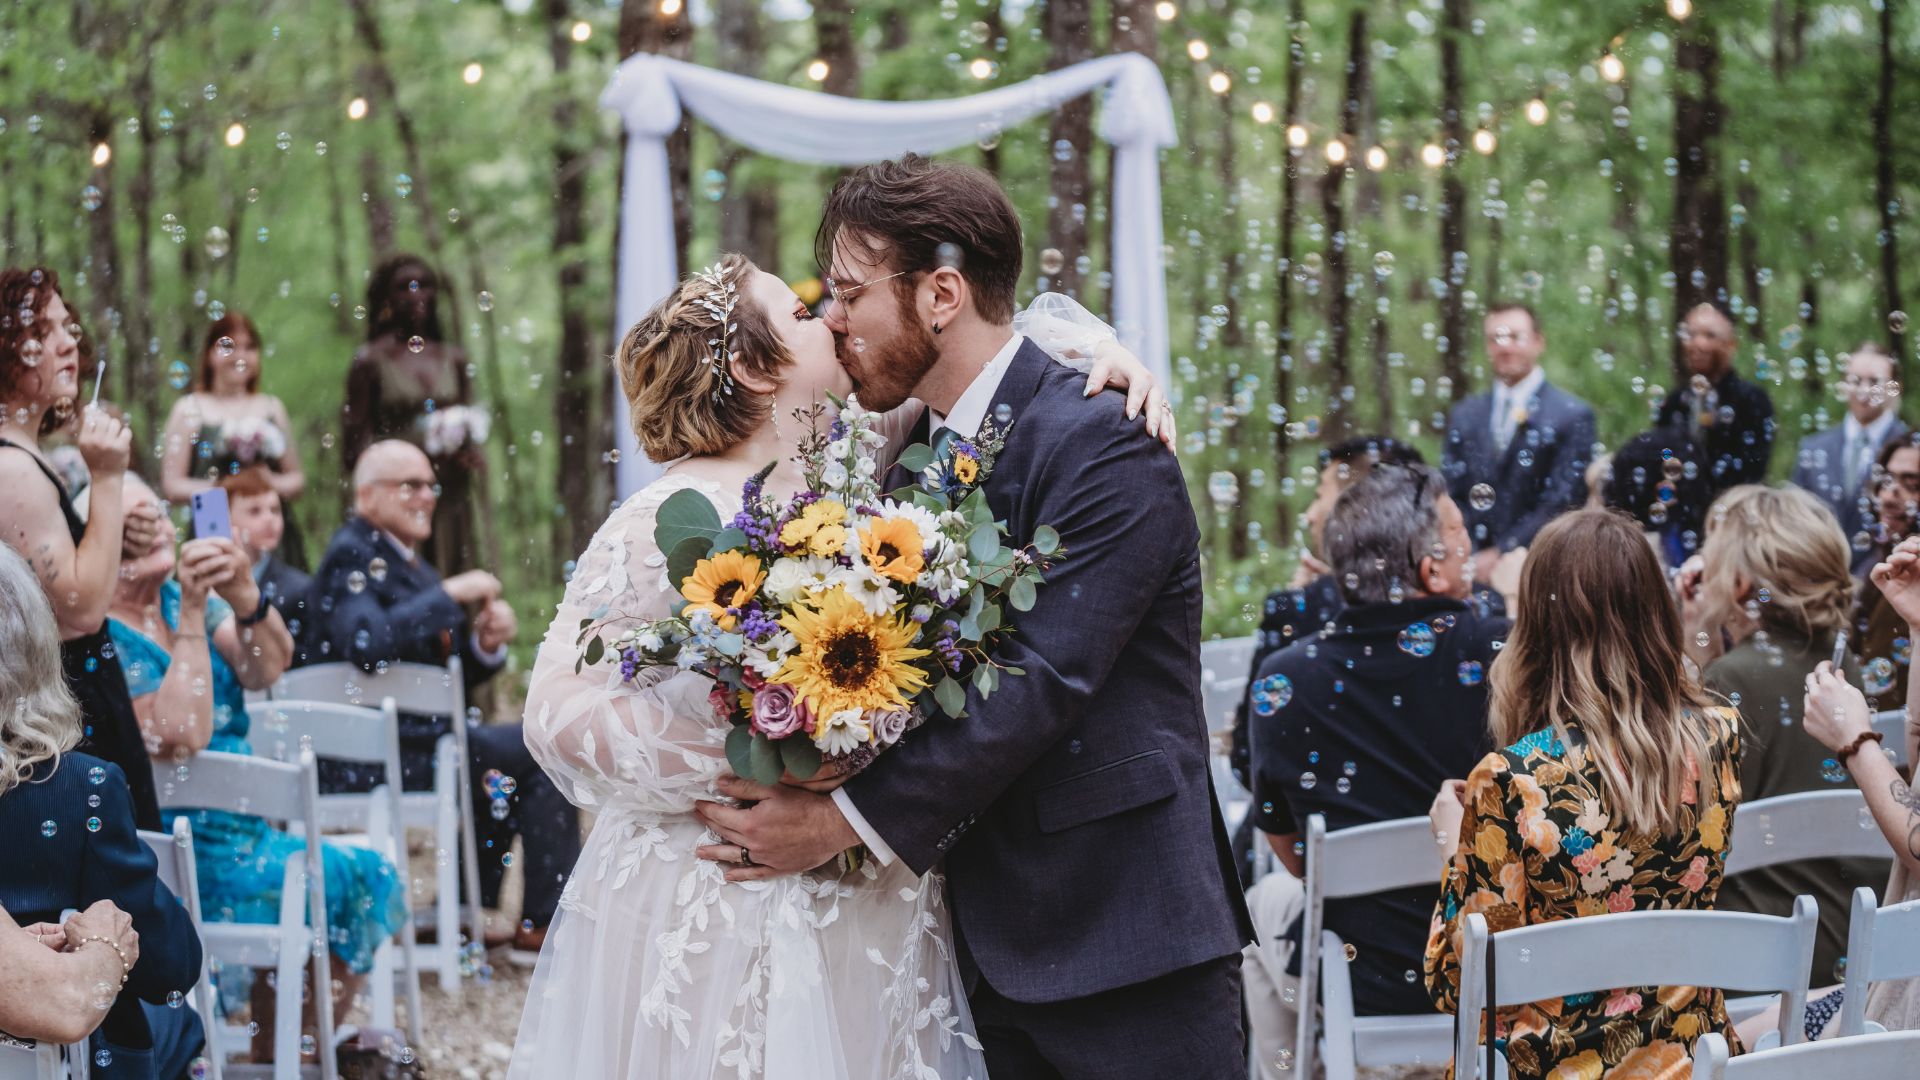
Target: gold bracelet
(126, 969)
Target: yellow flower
(819, 530)
(965, 468)
(848, 659)
(728, 580)
(1713, 827)
(894, 547)
(1585, 1065)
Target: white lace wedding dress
(657, 968)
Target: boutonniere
(1519, 415)
(965, 465)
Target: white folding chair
(1720, 949)
(34, 1060)
(288, 794)
(1223, 683)
(1882, 943)
(1863, 1057)
(447, 808)
(1352, 862)
(1892, 726)
(174, 852)
(280, 729)
(1806, 825)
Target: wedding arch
(651, 92)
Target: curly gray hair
(39, 718)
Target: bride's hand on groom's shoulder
(1115, 365)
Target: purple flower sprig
(756, 624)
(949, 651)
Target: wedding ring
(746, 857)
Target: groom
(1097, 912)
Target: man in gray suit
(1516, 456)
(1834, 464)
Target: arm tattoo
(1907, 797)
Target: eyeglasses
(844, 294)
(411, 488)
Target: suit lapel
(922, 434)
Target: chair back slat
(1223, 678)
(1808, 825)
(239, 784)
(1882, 943)
(281, 728)
(414, 688)
(1864, 1057)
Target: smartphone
(210, 516)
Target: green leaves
(753, 756)
(684, 556)
(983, 542)
(1021, 594)
(595, 649)
(916, 457)
(952, 697)
(1046, 541)
(801, 756)
(763, 761)
(738, 741)
(685, 513)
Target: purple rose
(889, 725)
(777, 713)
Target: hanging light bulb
(236, 133)
(1263, 112)
(1536, 112)
(471, 73)
(1296, 136)
(1485, 141)
(669, 8)
(1611, 69)
(981, 68)
(1337, 152)
(1679, 9)
(357, 109)
(1433, 156)
(1376, 158)
(817, 71)
(1166, 10)
(1219, 82)
(1198, 49)
(582, 30)
(102, 153)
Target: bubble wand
(99, 376)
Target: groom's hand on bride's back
(786, 830)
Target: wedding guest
(1659, 478)
(378, 600)
(1772, 583)
(71, 844)
(194, 632)
(1614, 791)
(49, 993)
(77, 561)
(1884, 646)
(1360, 722)
(259, 527)
(226, 423)
(404, 375)
(1517, 455)
(1837, 464)
(1729, 416)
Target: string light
(357, 109)
(102, 153)
(582, 31)
(1611, 69)
(471, 73)
(1679, 9)
(1262, 112)
(236, 133)
(981, 68)
(1484, 141)
(1432, 156)
(1337, 152)
(669, 8)
(1296, 136)
(1198, 49)
(1219, 82)
(817, 71)
(1536, 112)
(1376, 158)
(1165, 10)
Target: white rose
(789, 578)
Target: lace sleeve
(1068, 332)
(652, 745)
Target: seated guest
(1615, 792)
(377, 601)
(51, 972)
(1360, 722)
(1880, 634)
(1837, 464)
(71, 843)
(258, 527)
(190, 657)
(1775, 587)
(1659, 478)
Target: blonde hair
(1596, 642)
(675, 399)
(1784, 547)
(39, 718)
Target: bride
(656, 966)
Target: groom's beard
(885, 373)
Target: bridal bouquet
(834, 622)
(455, 428)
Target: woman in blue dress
(193, 634)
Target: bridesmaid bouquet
(834, 622)
(454, 428)
(248, 441)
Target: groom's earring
(936, 328)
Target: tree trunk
(107, 299)
(1069, 27)
(1289, 219)
(833, 36)
(573, 398)
(1750, 264)
(138, 382)
(1698, 243)
(1884, 190)
(1339, 419)
(996, 36)
(1453, 202)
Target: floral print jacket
(1538, 844)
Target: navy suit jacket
(1818, 468)
(72, 866)
(1542, 473)
(289, 591)
(1084, 849)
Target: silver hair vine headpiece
(718, 302)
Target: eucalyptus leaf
(983, 679)
(739, 759)
(801, 756)
(763, 758)
(989, 618)
(684, 557)
(595, 649)
(951, 696)
(728, 539)
(970, 626)
(685, 513)
(982, 542)
(916, 457)
(1046, 540)
(1021, 594)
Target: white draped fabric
(650, 93)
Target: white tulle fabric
(656, 967)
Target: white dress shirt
(1506, 399)
(1864, 441)
(969, 412)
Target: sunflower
(893, 549)
(728, 580)
(849, 659)
(966, 468)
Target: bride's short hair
(678, 404)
